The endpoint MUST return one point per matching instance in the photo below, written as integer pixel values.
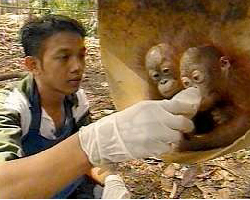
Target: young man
(47, 107)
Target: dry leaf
(224, 193)
(179, 173)
(170, 170)
(224, 173)
(174, 190)
(167, 184)
(206, 174)
(217, 176)
(208, 192)
(189, 177)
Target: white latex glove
(115, 188)
(145, 129)
(185, 103)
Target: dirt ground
(224, 177)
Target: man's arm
(108, 140)
(94, 173)
(11, 105)
(43, 174)
(38, 176)
(10, 134)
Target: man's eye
(82, 56)
(63, 57)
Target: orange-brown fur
(231, 105)
(162, 57)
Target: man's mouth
(76, 78)
(75, 81)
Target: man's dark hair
(35, 32)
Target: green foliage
(77, 9)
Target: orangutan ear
(225, 62)
(31, 64)
(225, 65)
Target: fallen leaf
(170, 170)
(167, 184)
(208, 192)
(217, 176)
(174, 190)
(206, 174)
(189, 177)
(224, 193)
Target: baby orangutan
(224, 113)
(163, 69)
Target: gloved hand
(148, 128)
(184, 103)
(115, 188)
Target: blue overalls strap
(35, 108)
(33, 142)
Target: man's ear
(225, 65)
(31, 64)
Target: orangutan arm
(223, 135)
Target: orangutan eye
(154, 75)
(186, 82)
(65, 57)
(165, 70)
(197, 76)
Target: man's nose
(77, 65)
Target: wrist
(115, 188)
(88, 144)
(102, 142)
(113, 177)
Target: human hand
(115, 188)
(185, 103)
(100, 174)
(148, 128)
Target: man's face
(62, 63)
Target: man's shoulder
(6, 92)
(23, 86)
(14, 95)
